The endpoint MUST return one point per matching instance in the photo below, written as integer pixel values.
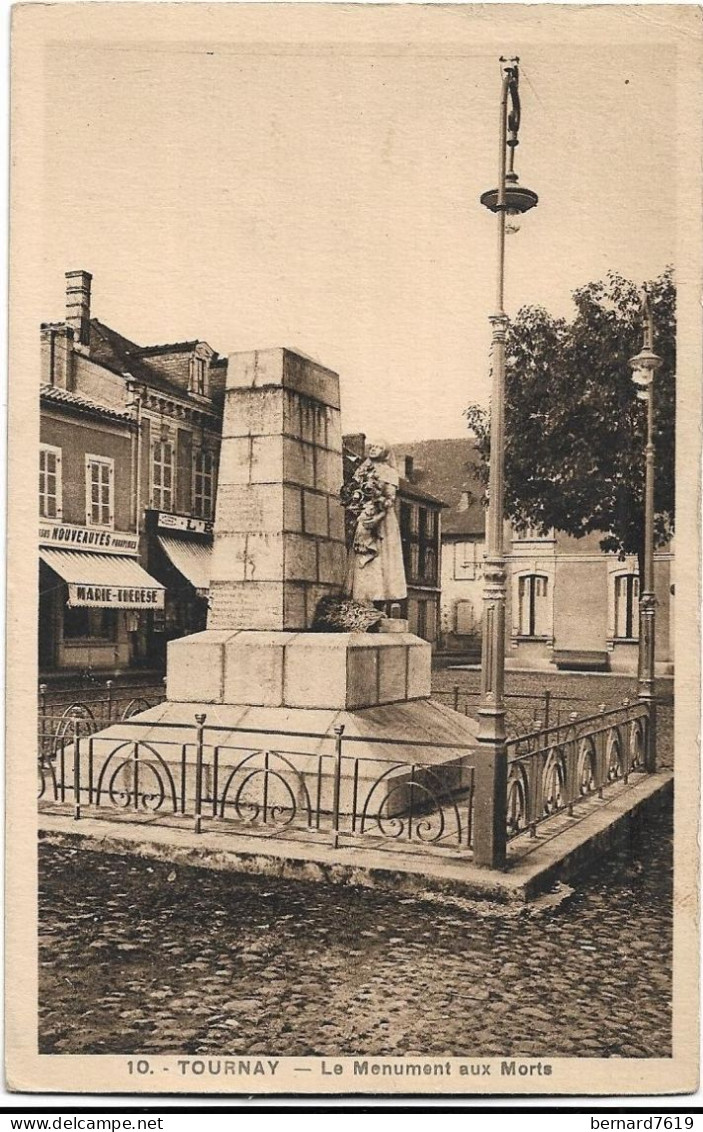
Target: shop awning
(191, 559)
(101, 580)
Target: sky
(327, 198)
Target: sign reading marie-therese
(81, 595)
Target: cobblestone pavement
(570, 691)
(137, 956)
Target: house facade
(446, 470)
(572, 605)
(569, 604)
(130, 441)
(93, 592)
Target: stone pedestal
(342, 671)
(279, 528)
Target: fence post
(200, 721)
(42, 715)
(456, 697)
(547, 698)
(650, 760)
(571, 764)
(490, 806)
(602, 755)
(108, 684)
(76, 767)
(338, 732)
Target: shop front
(179, 555)
(94, 599)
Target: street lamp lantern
(518, 199)
(644, 367)
(508, 201)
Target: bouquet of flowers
(366, 504)
(363, 488)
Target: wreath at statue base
(340, 614)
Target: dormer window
(199, 375)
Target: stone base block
(393, 625)
(339, 671)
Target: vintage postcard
(354, 634)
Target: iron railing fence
(278, 783)
(552, 769)
(525, 711)
(90, 709)
(256, 783)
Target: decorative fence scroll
(551, 770)
(225, 779)
(281, 784)
(94, 708)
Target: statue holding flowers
(375, 571)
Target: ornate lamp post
(644, 366)
(508, 200)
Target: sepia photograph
(356, 351)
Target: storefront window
(89, 624)
(162, 476)
(49, 482)
(203, 483)
(99, 490)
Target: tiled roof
(81, 403)
(412, 491)
(167, 348)
(447, 469)
(118, 353)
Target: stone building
(93, 593)
(569, 604)
(130, 444)
(445, 470)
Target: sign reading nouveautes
(71, 537)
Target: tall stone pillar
(279, 528)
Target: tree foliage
(575, 431)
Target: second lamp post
(644, 367)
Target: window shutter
(59, 484)
(111, 485)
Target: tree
(575, 431)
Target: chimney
(78, 304)
(408, 472)
(56, 355)
(355, 444)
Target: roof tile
(448, 469)
(81, 403)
